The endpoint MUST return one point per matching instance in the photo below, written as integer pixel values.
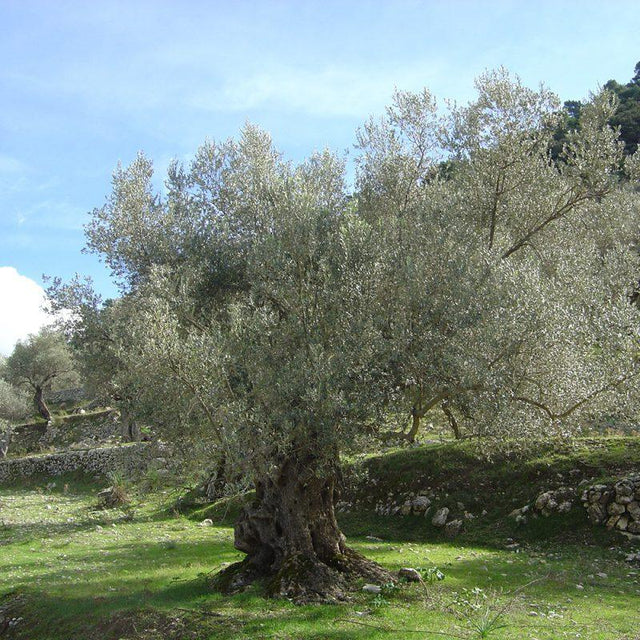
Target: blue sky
(85, 84)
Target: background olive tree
(40, 363)
(509, 275)
(267, 313)
(14, 402)
(14, 406)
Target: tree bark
(453, 423)
(416, 416)
(215, 484)
(41, 405)
(129, 429)
(291, 538)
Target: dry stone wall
(81, 431)
(128, 459)
(615, 505)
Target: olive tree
(14, 402)
(14, 406)
(39, 362)
(509, 275)
(267, 311)
(248, 293)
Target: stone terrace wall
(67, 396)
(84, 430)
(129, 459)
(615, 505)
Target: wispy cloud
(11, 165)
(53, 214)
(328, 92)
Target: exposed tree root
(303, 579)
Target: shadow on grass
(143, 603)
(119, 578)
(122, 590)
(493, 532)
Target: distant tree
(569, 121)
(97, 333)
(626, 116)
(14, 404)
(39, 363)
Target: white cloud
(22, 313)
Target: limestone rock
(616, 506)
(542, 501)
(519, 514)
(634, 527)
(440, 517)
(633, 508)
(420, 504)
(452, 528)
(605, 496)
(112, 497)
(565, 507)
(558, 501)
(597, 513)
(371, 588)
(624, 489)
(616, 509)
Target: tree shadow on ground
(111, 592)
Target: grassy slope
(72, 571)
(458, 473)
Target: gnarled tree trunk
(453, 423)
(416, 416)
(41, 405)
(129, 429)
(291, 538)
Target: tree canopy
(271, 314)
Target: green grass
(71, 570)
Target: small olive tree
(40, 362)
(266, 312)
(14, 402)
